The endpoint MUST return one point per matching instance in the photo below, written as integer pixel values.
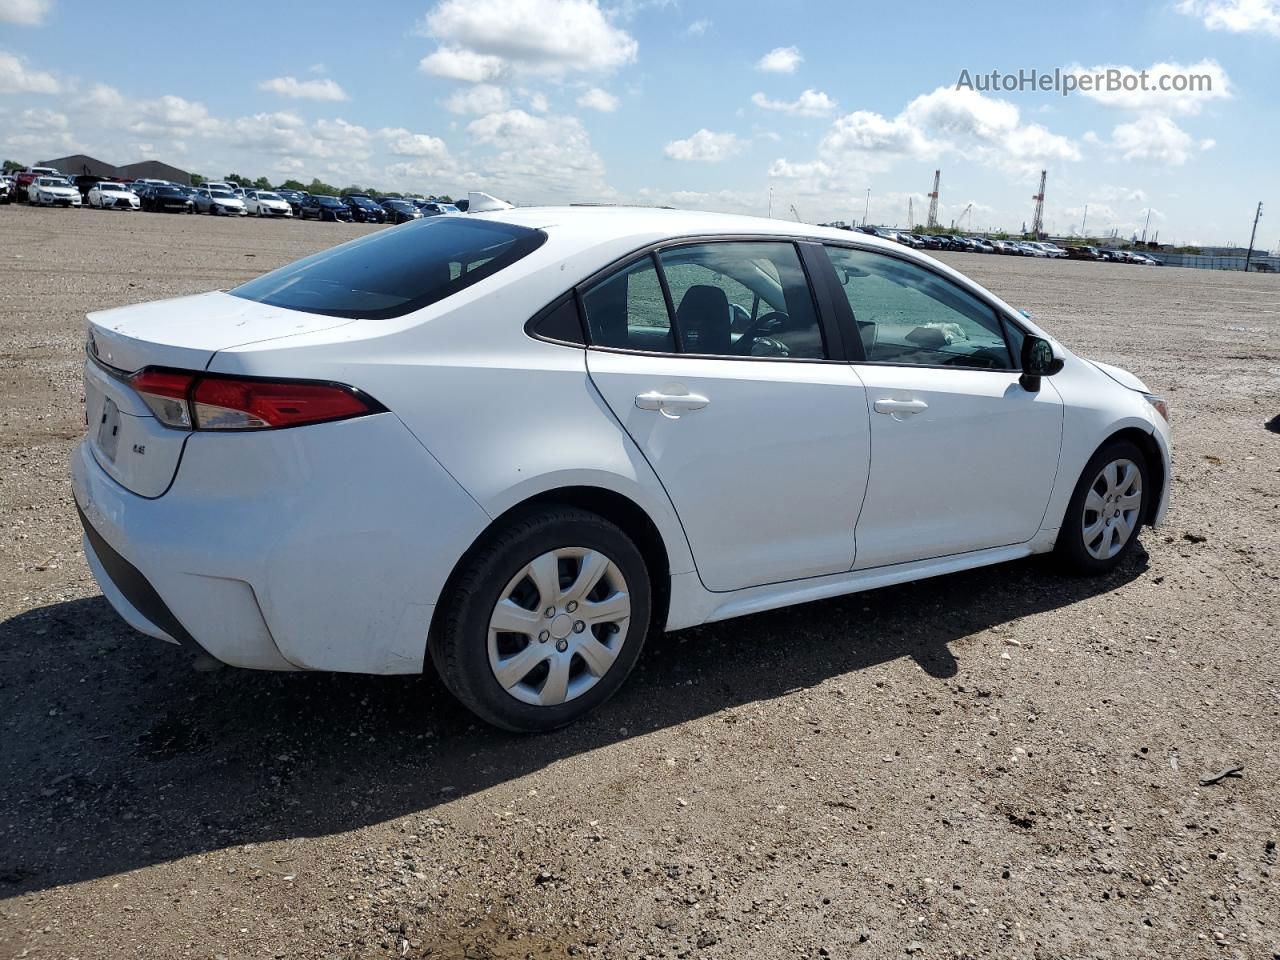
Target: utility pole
(867, 208)
(771, 201)
(1249, 256)
(1083, 221)
(1145, 225)
(911, 217)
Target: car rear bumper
(317, 548)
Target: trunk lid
(128, 442)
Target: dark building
(78, 164)
(154, 170)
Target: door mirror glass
(1038, 359)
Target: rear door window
(394, 272)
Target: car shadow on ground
(118, 755)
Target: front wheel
(544, 621)
(1106, 510)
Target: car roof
(594, 224)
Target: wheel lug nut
(562, 645)
(571, 606)
(544, 636)
(551, 612)
(579, 627)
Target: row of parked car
(1013, 248)
(44, 186)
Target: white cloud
(986, 129)
(1236, 16)
(780, 60)
(597, 99)
(285, 134)
(27, 13)
(480, 98)
(698, 28)
(538, 103)
(482, 39)
(705, 146)
(1212, 82)
(811, 103)
(404, 143)
(37, 133)
(945, 122)
(304, 89)
(16, 78)
(453, 63)
(43, 120)
(1156, 138)
(537, 158)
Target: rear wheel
(1106, 510)
(545, 620)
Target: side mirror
(1038, 360)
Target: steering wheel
(759, 331)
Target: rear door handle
(671, 405)
(901, 407)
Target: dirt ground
(1003, 763)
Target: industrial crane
(965, 213)
(933, 201)
(796, 213)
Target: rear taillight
(198, 401)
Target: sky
(728, 105)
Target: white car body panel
(327, 547)
(920, 502)
(768, 476)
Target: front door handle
(900, 408)
(671, 405)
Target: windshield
(329, 201)
(264, 195)
(111, 186)
(394, 272)
(221, 194)
(50, 182)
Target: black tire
(1071, 550)
(459, 645)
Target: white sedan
(53, 192)
(509, 444)
(112, 196)
(264, 203)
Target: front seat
(703, 319)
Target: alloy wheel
(558, 626)
(1111, 509)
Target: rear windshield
(394, 272)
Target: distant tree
(262, 183)
(445, 198)
(293, 185)
(13, 166)
(356, 188)
(197, 180)
(322, 188)
(238, 180)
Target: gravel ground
(1003, 763)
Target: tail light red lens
(196, 401)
